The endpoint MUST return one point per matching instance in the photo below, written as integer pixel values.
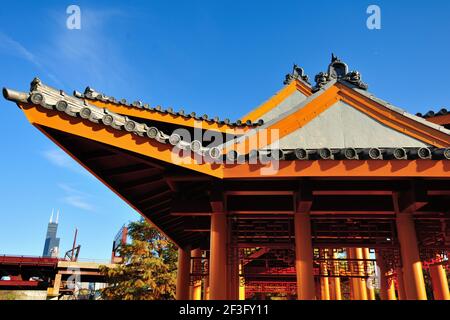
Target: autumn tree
(148, 270)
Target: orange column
(439, 282)
(183, 273)
(331, 285)
(361, 281)
(325, 286)
(317, 287)
(370, 286)
(412, 267)
(337, 293)
(391, 288)
(206, 287)
(241, 283)
(233, 277)
(335, 288)
(400, 284)
(324, 283)
(196, 287)
(218, 257)
(304, 257)
(381, 264)
(354, 288)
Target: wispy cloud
(13, 47)
(91, 55)
(76, 198)
(60, 159)
(91, 52)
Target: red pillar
(400, 284)
(391, 288)
(337, 293)
(354, 285)
(324, 280)
(218, 257)
(362, 283)
(439, 282)
(304, 257)
(196, 287)
(412, 266)
(183, 273)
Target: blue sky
(216, 57)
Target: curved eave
(283, 169)
(120, 139)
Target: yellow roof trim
(279, 97)
(169, 118)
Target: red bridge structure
(27, 272)
(299, 198)
(57, 276)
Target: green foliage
(148, 270)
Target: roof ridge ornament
(298, 73)
(354, 77)
(35, 83)
(338, 70)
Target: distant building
(51, 246)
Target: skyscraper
(51, 246)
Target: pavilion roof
(129, 147)
(410, 137)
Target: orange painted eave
(282, 169)
(440, 120)
(303, 88)
(120, 139)
(342, 169)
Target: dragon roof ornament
(338, 70)
(297, 74)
